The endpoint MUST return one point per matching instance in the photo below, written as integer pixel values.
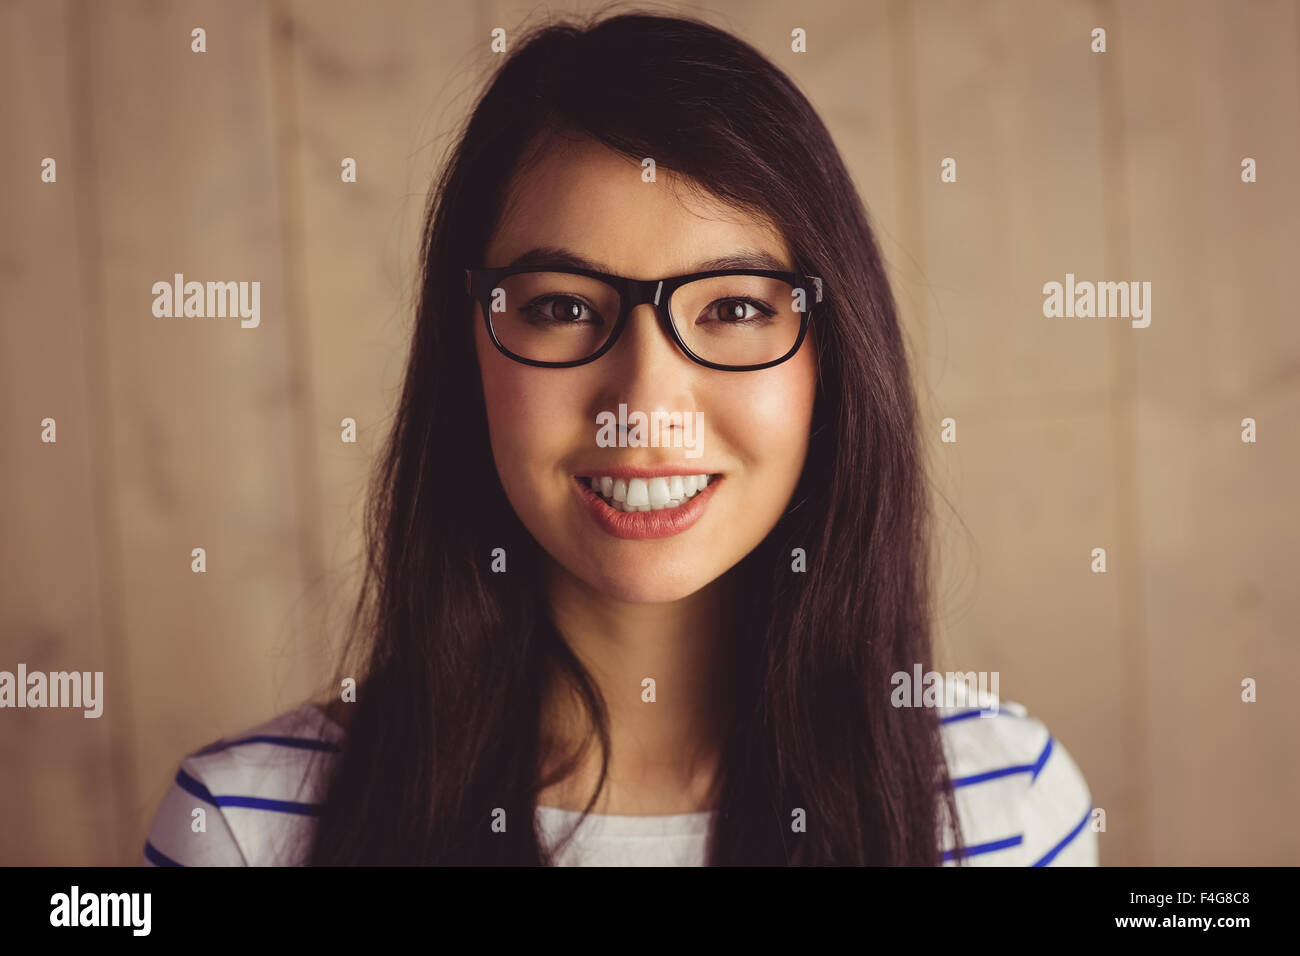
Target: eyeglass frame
(479, 284)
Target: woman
(583, 642)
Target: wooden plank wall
(1072, 434)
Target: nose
(646, 369)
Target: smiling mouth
(647, 494)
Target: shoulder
(258, 791)
(1021, 798)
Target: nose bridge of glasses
(640, 292)
(652, 292)
(645, 291)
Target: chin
(629, 583)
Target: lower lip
(663, 523)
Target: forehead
(579, 195)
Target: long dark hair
(451, 657)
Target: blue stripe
(1052, 853)
(190, 785)
(1042, 759)
(967, 714)
(1033, 769)
(157, 857)
(981, 848)
(301, 743)
(278, 806)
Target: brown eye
(559, 310)
(570, 310)
(737, 312)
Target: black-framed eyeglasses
(736, 320)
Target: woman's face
(591, 201)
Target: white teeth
(637, 493)
(658, 491)
(648, 494)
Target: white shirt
(1021, 799)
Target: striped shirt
(1021, 800)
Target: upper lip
(627, 472)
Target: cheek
(769, 415)
(510, 399)
(526, 410)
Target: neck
(664, 754)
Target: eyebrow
(557, 257)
